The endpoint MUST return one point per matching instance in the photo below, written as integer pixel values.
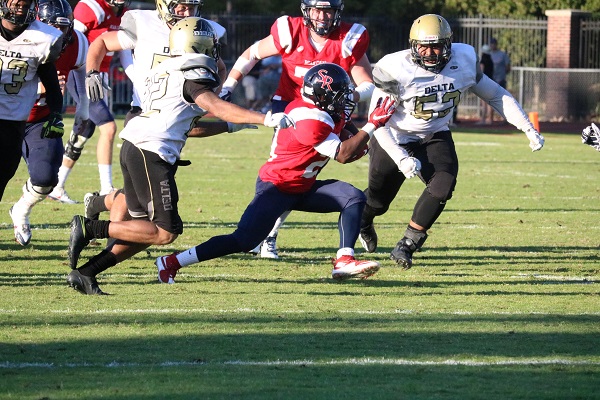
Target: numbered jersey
(345, 46)
(167, 117)
(19, 61)
(73, 57)
(294, 162)
(426, 99)
(93, 18)
(144, 32)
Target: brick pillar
(562, 51)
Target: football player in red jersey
(93, 18)
(44, 155)
(319, 36)
(288, 180)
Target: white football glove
(536, 141)
(591, 136)
(409, 166)
(278, 120)
(231, 127)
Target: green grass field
(503, 303)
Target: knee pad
(442, 185)
(75, 146)
(37, 192)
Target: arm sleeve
(387, 142)
(49, 78)
(503, 102)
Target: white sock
(105, 171)
(278, 224)
(187, 257)
(344, 251)
(63, 174)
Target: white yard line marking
(315, 363)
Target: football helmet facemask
(9, 12)
(166, 9)
(57, 13)
(329, 87)
(193, 35)
(320, 28)
(431, 30)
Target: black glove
(54, 127)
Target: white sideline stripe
(256, 311)
(350, 361)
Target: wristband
(369, 128)
(230, 84)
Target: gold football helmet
(431, 30)
(193, 35)
(166, 9)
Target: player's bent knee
(442, 185)
(165, 237)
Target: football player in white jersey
(146, 32)
(178, 91)
(42, 155)
(28, 49)
(427, 80)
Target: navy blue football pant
(269, 203)
(99, 112)
(43, 156)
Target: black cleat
(368, 238)
(77, 241)
(84, 284)
(403, 252)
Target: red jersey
(72, 57)
(345, 46)
(294, 162)
(93, 18)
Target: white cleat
(347, 267)
(21, 227)
(269, 248)
(60, 194)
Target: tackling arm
(262, 49)
(103, 44)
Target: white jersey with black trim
(167, 117)
(144, 32)
(426, 100)
(19, 61)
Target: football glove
(591, 136)
(278, 120)
(225, 94)
(54, 127)
(95, 86)
(382, 112)
(409, 166)
(231, 127)
(536, 141)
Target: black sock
(99, 263)
(96, 229)
(97, 203)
